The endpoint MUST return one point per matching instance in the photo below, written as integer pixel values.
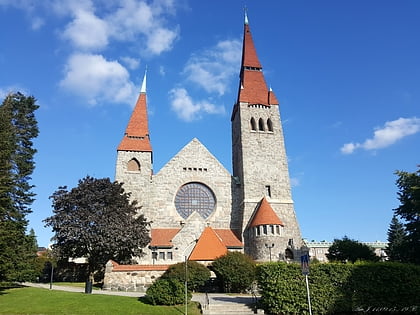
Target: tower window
(133, 165)
(265, 229)
(261, 125)
(253, 124)
(268, 191)
(269, 125)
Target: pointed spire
(143, 85)
(136, 136)
(246, 15)
(208, 247)
(253, 88)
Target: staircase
(222, 304)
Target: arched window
(253, 124)
(288, 254)
(269, 125)
(261, 124)
(133, 165)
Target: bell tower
(260, 169)
(134, 153)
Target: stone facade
(194, 190)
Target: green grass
(42, 301)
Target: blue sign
(304, 262)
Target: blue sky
(347, 75)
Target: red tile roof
(163, 237)
(249, 53)
(136, 137)
(228, 238)
(209, 246)
(265, 215)
(121, 268)
(253, 89)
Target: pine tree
(396, 240)
(409, 210)
(18, 128)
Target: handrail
(206, 301)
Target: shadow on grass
(179, 308)
(8, 285)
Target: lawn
(42, 301)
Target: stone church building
(199, 211)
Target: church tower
(262, 201)
(134, 153)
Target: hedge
(390, 288)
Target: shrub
(235, 271)
(340, 288)
(167, 292)
(198, 274)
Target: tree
(18, 128)
(350, 250)
(409, 210)
(198, 274)
(97, 221)
(396, 248)
(235, 271)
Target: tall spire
(136, 136)
(253, 88)
(143, 85)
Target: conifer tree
(409, 210)
(396, 240)
(18, 128)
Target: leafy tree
(350, 250)
(96, 220)
(409, 210)
(18, 128)
(198, 274)
(235, 271)
(396, 249)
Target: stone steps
(228, 309)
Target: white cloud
(131, 63)
(213, 69)
(87, 31)
(187, 109)
(97, 79)
(390, 133)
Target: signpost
(304, 261)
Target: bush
(167, 292)
(235, 271)
(198, 274)
(340, 288)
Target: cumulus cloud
(97, 79)
(131, 63)
(387, 135)
(187, 109)
(213, 69)
(87, 31)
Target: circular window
(194, 197)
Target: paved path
(82, 290)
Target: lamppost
(269, 246)
(186, 275)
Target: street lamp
(269, 246)
(186, 275)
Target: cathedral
(198, 210)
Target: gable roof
(265, 215)
(162, 237)
(208, 247)
(136, 136)
(229, 238)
